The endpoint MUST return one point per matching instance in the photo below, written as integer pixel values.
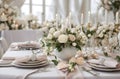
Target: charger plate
(103, 68)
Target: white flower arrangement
(7, 16)
(32, 21)
(107, 35)
(58, 39)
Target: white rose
(49, 36)
(71, 37)
(74, 44)
(63, 38)
(56, 34)
(52, 30)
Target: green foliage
(118, 58)
(106, 54)
(71, 66)
(55, 61)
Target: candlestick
(56, 18)
(96, 20)
(106, 17)
(117, 17)
(82, 19)
(89, 16)
(69, 19)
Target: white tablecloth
(53, 73)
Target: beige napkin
(108, 62)
(28, 58)
(27, 44)
(8, 58)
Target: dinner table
(47, 72)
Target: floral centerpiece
(7, 15)
(59, 39)
(107, 37)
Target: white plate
(106, 70)
(101, 66)
(35, 66)
(32, 64)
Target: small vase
(66, 53)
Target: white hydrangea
(63, 38)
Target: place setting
(104, 64)
(32, 61)
(27, 45)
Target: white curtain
(76, 7)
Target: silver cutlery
(88, 69)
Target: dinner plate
(106, 69)
(30, 66)
(101, 66)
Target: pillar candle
(89, 16)
(117, 17)
(106, 17)
(82, 19)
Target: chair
(10, 36)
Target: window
(94, 5)
(37, 8)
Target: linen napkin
(28, 58)
(108, 62)
(8, 58)
(25, 45)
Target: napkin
(25, 45)
(8, 58)
(108, 62)
(25, 59)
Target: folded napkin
(109, 62)
(28, 58)
(25, 45)
(8, 58)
